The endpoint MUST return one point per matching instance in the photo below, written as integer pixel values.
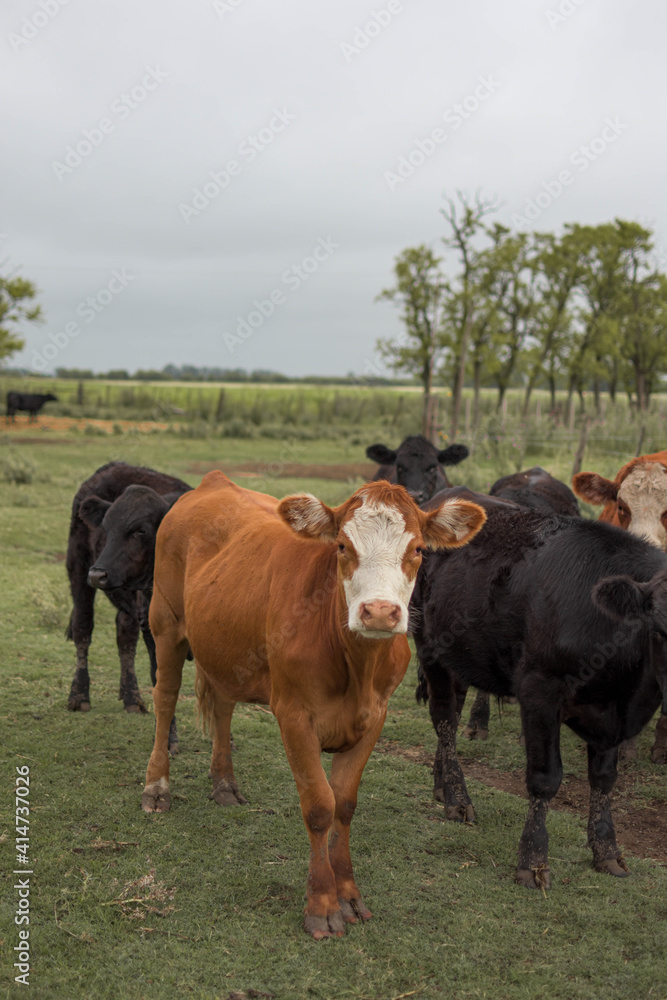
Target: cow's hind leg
(217, 714)
(477, 727)
(127, 634)
(170, 655)
(602, 775)
(150, 647)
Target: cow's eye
(341, 548)
(432, 468)
(139, 531)
(419, 551)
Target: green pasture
(206, 902)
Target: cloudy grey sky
(228, 182)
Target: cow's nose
(380, 616)
(97, 577)
(417, 495)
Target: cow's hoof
(659, 754)
(226, 793)
(135, 708)
(534, 878)
(324, 927)
(354, 909)
(460, 814)
(628, 750)
(78, 703)
(173, 748)
(475, 733)
(613, 866)
(156, 797)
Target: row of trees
(586, 310)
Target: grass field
(206, 902)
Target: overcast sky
(228, 182)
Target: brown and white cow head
(380, 533)
(635, 501)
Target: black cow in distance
(416, 464)
(111, 547)
(30, 401)
(570, 617)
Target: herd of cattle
(307, 608)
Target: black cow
(417, 465)
(111, 547)
(567, 615)
(537, 489)
(30, 401)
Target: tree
(556, 262)
(15, 293)
(466, 223)
(420, 290)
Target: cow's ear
(381, 454)
(308, 516)
(92, 511)
(620, 597)
(453, 455)
(593, 488)
(452, 524)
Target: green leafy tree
(16, 294)
(420, 291)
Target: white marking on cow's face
(644, 494)
(375, 573)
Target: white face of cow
(378, 558)
(380, 533)
(642, 503)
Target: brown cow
(636, 500)
(302, 607)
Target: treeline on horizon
(205, 373)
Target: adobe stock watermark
(292, 279)
(247, 151)
(121, 109)
(32, 25)
(454, 117)
(87, 310)
(364, 34)
(582, 157)
(566, 8)
(224, 7)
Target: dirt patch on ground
(641, 826)
(26, 431)
(288, 470)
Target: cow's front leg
(323, 916)
(346, 771)
(602, 776)
(544, 772)
(446, 695)
(127, 633)
(80, 630)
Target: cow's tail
(421, 691)
(69, 631)
(205, 701)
